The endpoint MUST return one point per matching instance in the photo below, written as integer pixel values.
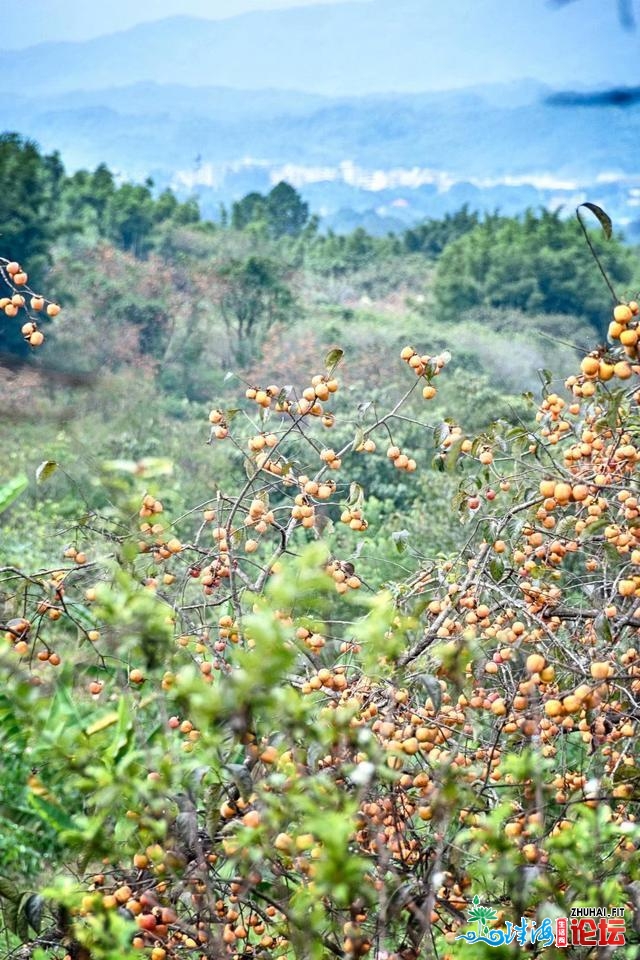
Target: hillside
(318, 573)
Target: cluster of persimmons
(525, 642)
(21, 302)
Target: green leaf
(81, 615)
(358, 440)
(51, 813)
(103, 722)
(119, 466)
(12, 490)
(46, 469)
(602, 628)
(333, 358)
(123, 830)
(10, 913)
(400, 538)
(356, 496)
(8, 890)
(453, 453)
(123, 733)
(603, 218)
(22, 922)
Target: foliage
(286, 213)
(339, 674)
(252, 296)
(29, 184)
(281, 213)
(241, 741)
(431, 237)
(538, 264)
(41, 203)
(115, 292)
(132, 213)
(337, 254)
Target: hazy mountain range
(41, 21)
(348, 48)
(219, 107)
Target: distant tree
(281, 213)
(538, 264)
(187, 213)
(167, 207)
(251, 209)
(28, 184)
(131, 214)
(287, 214)
(129, 218)
(102, 188)
(84, 200)
(431, 237)
(253, 294)
(336, 255)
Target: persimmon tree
(236, 747)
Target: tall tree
(251, 209)
(130, 217)
(253, 294)
(287, 213)
(28, 192)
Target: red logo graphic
(562, 932)
(592, 932)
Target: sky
(44, 20)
